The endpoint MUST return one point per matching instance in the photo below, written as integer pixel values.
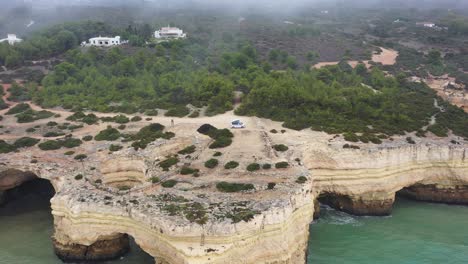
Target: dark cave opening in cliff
(34, 194)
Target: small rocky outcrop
(105, 249)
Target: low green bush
(253, 167)
(169, 183)
(188, 150)
(69, 153)
(266, 166)
(187, 171)
(113, 148)
(231, 165)
(109, 134)
(19, 108)
(87, 138)
(80, 157)
(178, 111)
(280, 147)
(217, 154)
(53, 134)
(50, 145)
(71, 142)
(169, 162)
(271, 185)
(281, 165)
(211, 163)
(234, 187)
(136, 119)
(5, 147)
(155, 179)
(301, 180)
(152, 112)
(79, 177)
(25, 142)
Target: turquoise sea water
(416, 233)
(25, 229)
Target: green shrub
(50, 145)
(217, 154)
(80, 157)
(301, 180)
(121, 119)
(19, 108)
(211, 163)
(31, 130)
(187, 171)
(253, 167)
(231, 165)
(25, 142)
(351, 137)
(79, 177)
(221, 142)
(281, 165)
(274, 131)
(121, 127)
(266, 166)
(154, 179)
(178, 111)
(169, 162)
(88, 138)
(52, 123)
(280, 147)
(136, 119)
(113, 148)
(271, 185)
(71, 142)
(5, 147)
(234, 187)
(109, 134)
(151, 112)
(30, 116)
(169, 183)
(188, 150)
(53, 134)
(149, 134)
(69, 153)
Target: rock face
(457, 194)
(364, 182)
(104, 249)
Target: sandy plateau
(194, 222)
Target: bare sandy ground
(447, 88)
(386, 57)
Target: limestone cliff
(364, 181)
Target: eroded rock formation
(109, 196)
(365, 181)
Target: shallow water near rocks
(416, 233)
(26, 225)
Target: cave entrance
(136, 254)
(34, 195)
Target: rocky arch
(15, 182)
